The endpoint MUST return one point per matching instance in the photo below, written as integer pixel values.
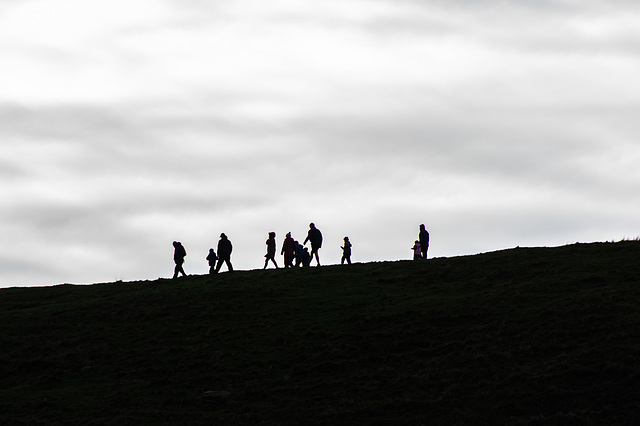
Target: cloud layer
(496, 124)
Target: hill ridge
(517, 336)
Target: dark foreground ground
(528, 336)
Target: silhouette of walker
(315, 237)
(423, 237)
(288, 250)
(346, 251)
(224, 253)
(211, 257)
(178, 257)
(271, 250)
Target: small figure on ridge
(417, 250)
(315, 237)
(224, 253)
(424, 241)
(178, 257)
(346, 251)
(271, 250)
(288, 250)
(211, 257)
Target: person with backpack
(271, 250)
(179, 254)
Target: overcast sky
(128, 124)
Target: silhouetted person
(178, 257)
(315, 237)
(417, 250)
(271, 250)
(423, 236)
(288, 251)
(211, 257)
(224, 253)
(346, 251)
(299, 254)
(306, 257)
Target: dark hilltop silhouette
(535, 336)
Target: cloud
(496, 124)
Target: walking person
(288, 250)
(224, 253)
(211, 257)
(315, 237)
(346, 251)
(423, 236)
(179, 254)
(271, 250)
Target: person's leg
(314, 252)
(176, 270)
(228, 262)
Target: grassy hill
(518, 337)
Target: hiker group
(291, 250)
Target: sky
(129, 124)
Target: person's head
(176, 243)
(224, 237)
(288, 234)
(422, 227)
(346, 238)
(417, 242)
(272, 234)
(312, 225)
(211, 250)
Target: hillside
(521, 336)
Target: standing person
(288, 250)
(423, 236)
(178, 257)
(224, 253)
(346, 251)
(211, 257)
(417, 250)
(271, 250)
(315, 237)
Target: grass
(527, 336)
